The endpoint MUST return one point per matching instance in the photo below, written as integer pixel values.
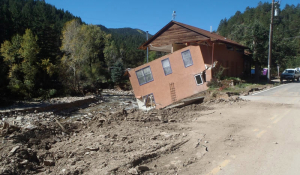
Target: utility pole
(147, 47)
(270, 42)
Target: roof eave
(236, 44)
(144, 46)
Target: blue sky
(154, 14)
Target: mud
(110, 136)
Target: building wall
(230, 59)
(182, 77)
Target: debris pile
(117, 92)
(24, 148)
(230, 100)
(109, 136)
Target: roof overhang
(212, 37)
(165, 48)
(144, 46)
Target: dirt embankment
(107, 138)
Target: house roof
(205, 33)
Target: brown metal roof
(213, 36)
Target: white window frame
(200, 77)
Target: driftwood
(61, 126)
(8, 129)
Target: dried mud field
(113, 137)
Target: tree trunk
(74, 69)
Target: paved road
(286, 94)
(275, 148)
(247, 138)
(260, 137)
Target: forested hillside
(37, 57)
(126, 41)
(45, 23)
(251, 28)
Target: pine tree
(117, 72)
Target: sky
(155, 14)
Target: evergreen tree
(117, 72)
(251, 29)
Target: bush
(214, 83)
(46, 94)
(218, 72)
(233, 78)
(241, 85)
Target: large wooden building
(186, 69)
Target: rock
(63, 171)
(12, 151)
(172, 120)
(153, 138)
(133, 171)
(143, 168)
(159, 117)
(19, 118)
(90, 134)
(155, 173)
(166, 135)
(130, 141)
(49, 162)
(102, 120)
(30, 126)
(92, 148)
(24, 162)
(57, 139)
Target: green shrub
(241, 85)
(214, 83)
(218, 72)
(46, 94)
(233, 78)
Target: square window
(166, 66)
(187, 58)
(198, 79)
(144, 75)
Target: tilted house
(186, 70)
